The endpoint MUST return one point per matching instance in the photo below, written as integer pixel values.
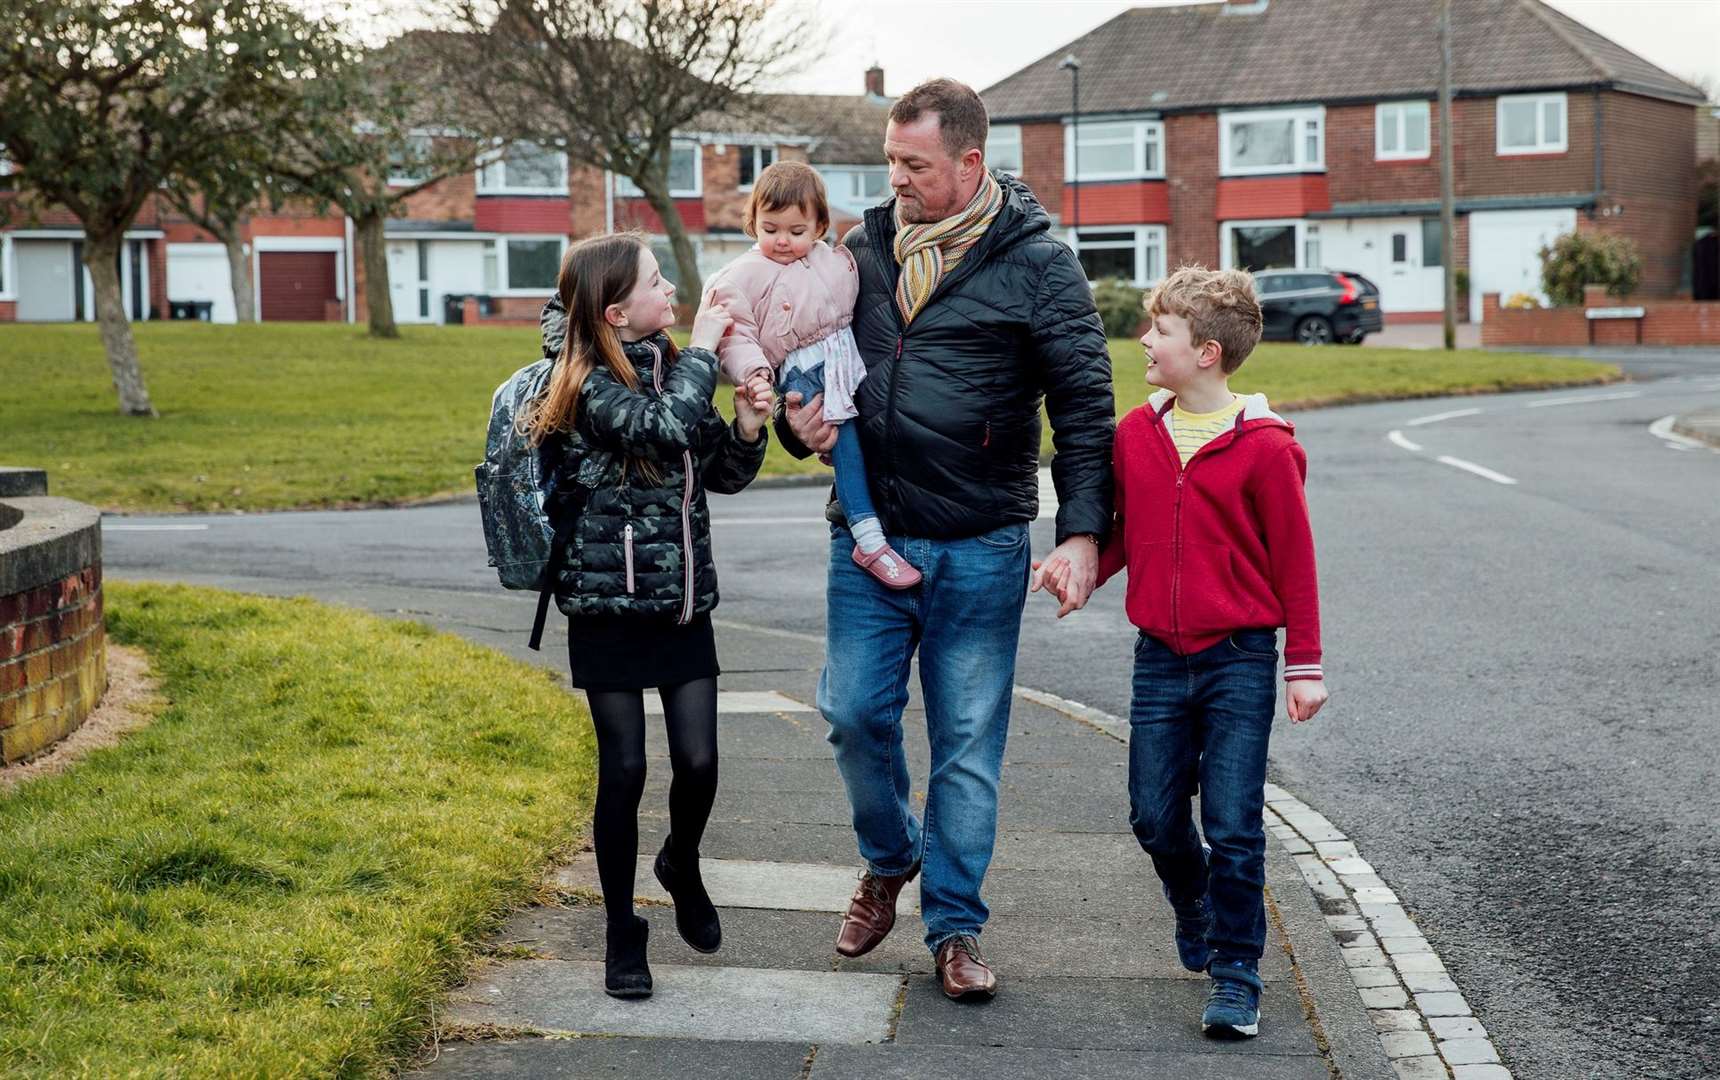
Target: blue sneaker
(1194, 922)
(1233, 1004)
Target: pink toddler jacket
(780, 308)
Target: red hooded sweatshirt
(1222, 544)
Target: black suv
(1317, 307)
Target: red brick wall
(1354, 175)
(1042, 164)
(156, 252)
(53, 662)
(523, 214)
(637, 213)
(586, 200)
(8, 311)
(1651, 178)
(446, 200)
(1191, 169)
(725, 203)
(1126, 202)
(1481, 171)
(1664, 322)
(1261, 197)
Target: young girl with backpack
(638, 583)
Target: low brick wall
(53, 647)
(1663, 323)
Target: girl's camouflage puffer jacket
(644, 548)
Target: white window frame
(1304, 231)
(1310, 115)
(1396, 114)
(625, 187)
(8, 272)
(752, 152)
(492, 175)
(1145, 132)
(1543, 145)
(398, 178)
(1002, 135)
(498, 246)
(1146, 238)
(857, 179)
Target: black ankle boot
(695, 915)
(625, 973)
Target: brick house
(1253, 134)
(497, 232)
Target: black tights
(690, 712)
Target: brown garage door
(297, 285)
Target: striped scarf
(927, 252)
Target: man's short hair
(1219, 305)
(962, 120)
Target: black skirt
(636, 652)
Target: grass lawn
(285, 415)
(281, 873)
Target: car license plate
(1370, 303)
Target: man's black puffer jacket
(949, 408)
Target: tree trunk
(101, 255)
(372, 249)
(239, 269)
(686, 260)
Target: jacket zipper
(1176, 514)
(627, 553)
(686, 615)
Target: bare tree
(384, 129)
(220, 201)
(103, 101)
(613, 80)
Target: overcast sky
(981, 41)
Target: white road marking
(1662, 429)
(1582, 400)
(1437, 417)
(1479, 470)
(154, 528)
(1397, 439)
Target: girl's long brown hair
(595, 273)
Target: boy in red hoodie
(1213, 527)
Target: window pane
(409, 162)
(1400, 247)
(532, 264)
(1155, 258)
(1262, 142)
(1263, 247)
(749, 161)
(532, 166)
(1097, 133)
(491, 275)
(766, 157)
(1432, 249)
(1311, 251)
(681, 167)
(1152, 148)
(1106, 157)
(1390, 116)
(1552, 122)
(1108, 263)
(1003, 148)
(1415, 129)
(1090, 236)
(1519, 123)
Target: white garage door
(1504, 251)
(199, 272)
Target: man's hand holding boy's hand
(1303, 698)
(807, 422)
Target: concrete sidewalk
(1080, 935)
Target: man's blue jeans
(1205, 719)
(965, 620)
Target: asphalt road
(1524, 732)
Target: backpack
(530, 497)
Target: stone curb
(1702, 425)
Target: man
(970, 315)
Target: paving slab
(621, 1058)
(1017, 1063)
(1094, 1014)
(750, 1004)
(741, 701)
(747, 883)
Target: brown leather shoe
(963, 972)
(871, 913)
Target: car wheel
(1314, 330)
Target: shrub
(1120, 307)
(1522, 301)
(1578, 259)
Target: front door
(48, 272)
(409, 280)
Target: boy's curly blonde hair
(1219, 305)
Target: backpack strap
(568, 511)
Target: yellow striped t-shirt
(1191, 431)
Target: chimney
(875, 81)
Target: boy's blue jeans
(1202, 722)
(964, 618)
(852, 487)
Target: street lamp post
(1073, 67)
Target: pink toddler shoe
(891, 570)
